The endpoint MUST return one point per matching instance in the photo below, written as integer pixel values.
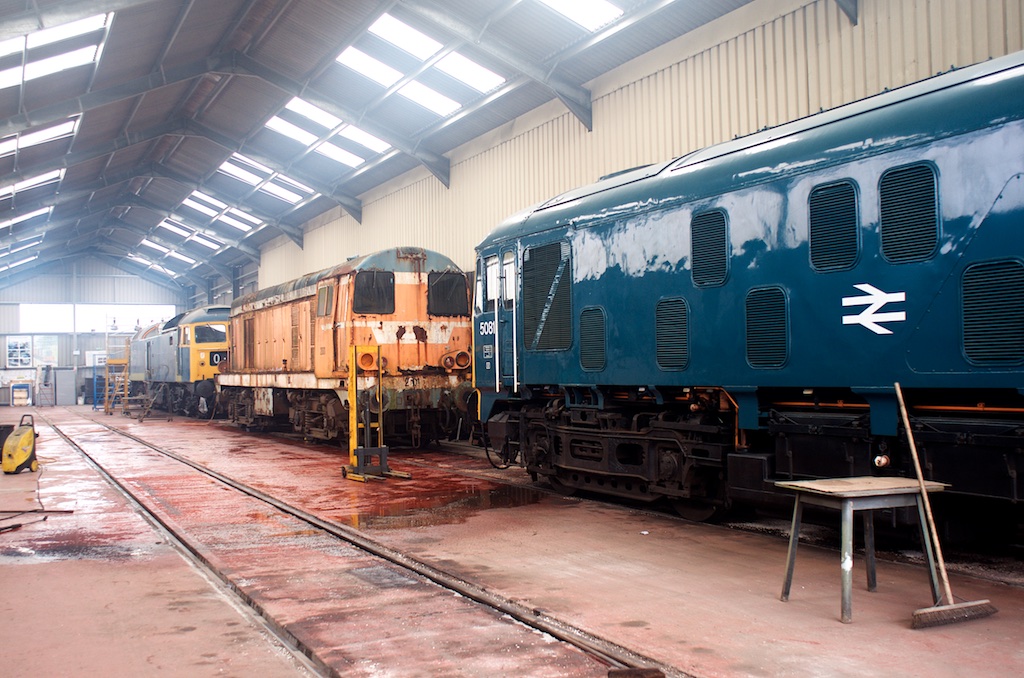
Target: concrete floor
(97, 592)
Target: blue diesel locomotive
(699, 329)
(175, 362)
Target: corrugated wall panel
(765, 64)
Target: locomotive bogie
(740, 316)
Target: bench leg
(869, 548)
(794, 539)
(846, 564)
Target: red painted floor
(700, 598)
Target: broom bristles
(952, 614)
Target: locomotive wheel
(561, 488)
(696, 510)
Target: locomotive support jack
(366, 377)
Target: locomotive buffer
(365, 418)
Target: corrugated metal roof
(166, 91)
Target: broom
(938, 614)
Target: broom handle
(924, 496)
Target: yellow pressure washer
(20, 447)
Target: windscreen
(447, 294)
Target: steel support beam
(577, 99)
(849, 8)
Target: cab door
(323, 347)
(506, 327)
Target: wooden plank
(861, 486)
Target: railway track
(165, 505)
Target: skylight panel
(238, 219)
(61, 62)
(470, 72)
(231, 169)
(591, 15)
(340, 155)
(364, 138)
(199, 207)
(175, 228)
(24, 245)
(181, 257)
(32, 182)
(291, 131)
(207, 242)
(12, 45)
(405, 37)
(364, 64)
(25, 217)
(208, 200)
(314, 113)
(158, 247)
(281, 192)
(68, 30)
(21, 262)
(429, 98)
(15, 142)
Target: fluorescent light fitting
(405, 37)
(591, 15)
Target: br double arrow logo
(875, 299)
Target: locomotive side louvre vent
(671, 330)
(592, 339)
(833, 226)
(547, 312)
(767, 328)
(709, 245)
(909, 219)
(993, 312)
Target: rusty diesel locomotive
(402, 312)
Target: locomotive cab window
(374, 292)
(324, 301)
(186, 336)
(508, 279)
(446, 294)
(490, 283)
(211, 334)
(909, 216)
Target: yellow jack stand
(365, 415)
